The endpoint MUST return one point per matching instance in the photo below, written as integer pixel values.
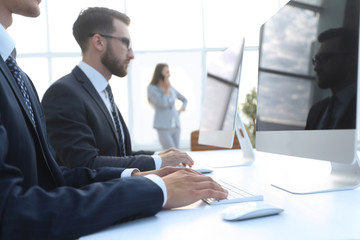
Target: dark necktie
(118, 126)
(16, 72)
(329, 114)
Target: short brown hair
(96, 20)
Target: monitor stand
(342, 177)
(248, 153)
(244, 140)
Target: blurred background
(186, 34)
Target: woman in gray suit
(162, 97)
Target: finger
(201, 183)
(211, 193)
(206, 182)
(186, 159)
(174, 169)
(190, 171)
(196, 177)
(189, 159)
(186, 163)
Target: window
(179, 32)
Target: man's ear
(97, 42)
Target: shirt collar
(96, 78)
(7, 44)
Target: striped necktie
(118, 126)
(16, 72)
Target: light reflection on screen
(221, 91)
(293, 63)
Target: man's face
(330, 64)
(116, 57)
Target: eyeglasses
(124, 40)
(323, 57)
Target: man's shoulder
(67, 81)
(65, 86)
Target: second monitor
(220, 118)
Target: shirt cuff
(127, 172)
(157, 161)
(158, 181)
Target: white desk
(334, 215)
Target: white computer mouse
(247, 210)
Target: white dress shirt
(6, 42)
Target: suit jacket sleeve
(39, 200)
(181, 98)
(74, 127)
(142, 152)
(67, 212)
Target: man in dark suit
(335, 65)
(81, 125)
(39, 199)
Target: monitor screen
(307, 84)
(219, 108)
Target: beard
(330, 78)
(114, 65)
(27, 8)
(324, 82)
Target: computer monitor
(220, 118)
(307, 90)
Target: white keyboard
(236, 195)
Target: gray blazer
(166, 115)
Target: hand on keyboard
(235, 195)
(187, 186)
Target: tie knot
(108, 88)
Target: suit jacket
(81, 129)
(347, 121)
(165, 111)
(39, 199)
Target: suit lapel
(91, 91)
(39, 135)
(33, 98)
(12, 83)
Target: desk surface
(334, 215)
